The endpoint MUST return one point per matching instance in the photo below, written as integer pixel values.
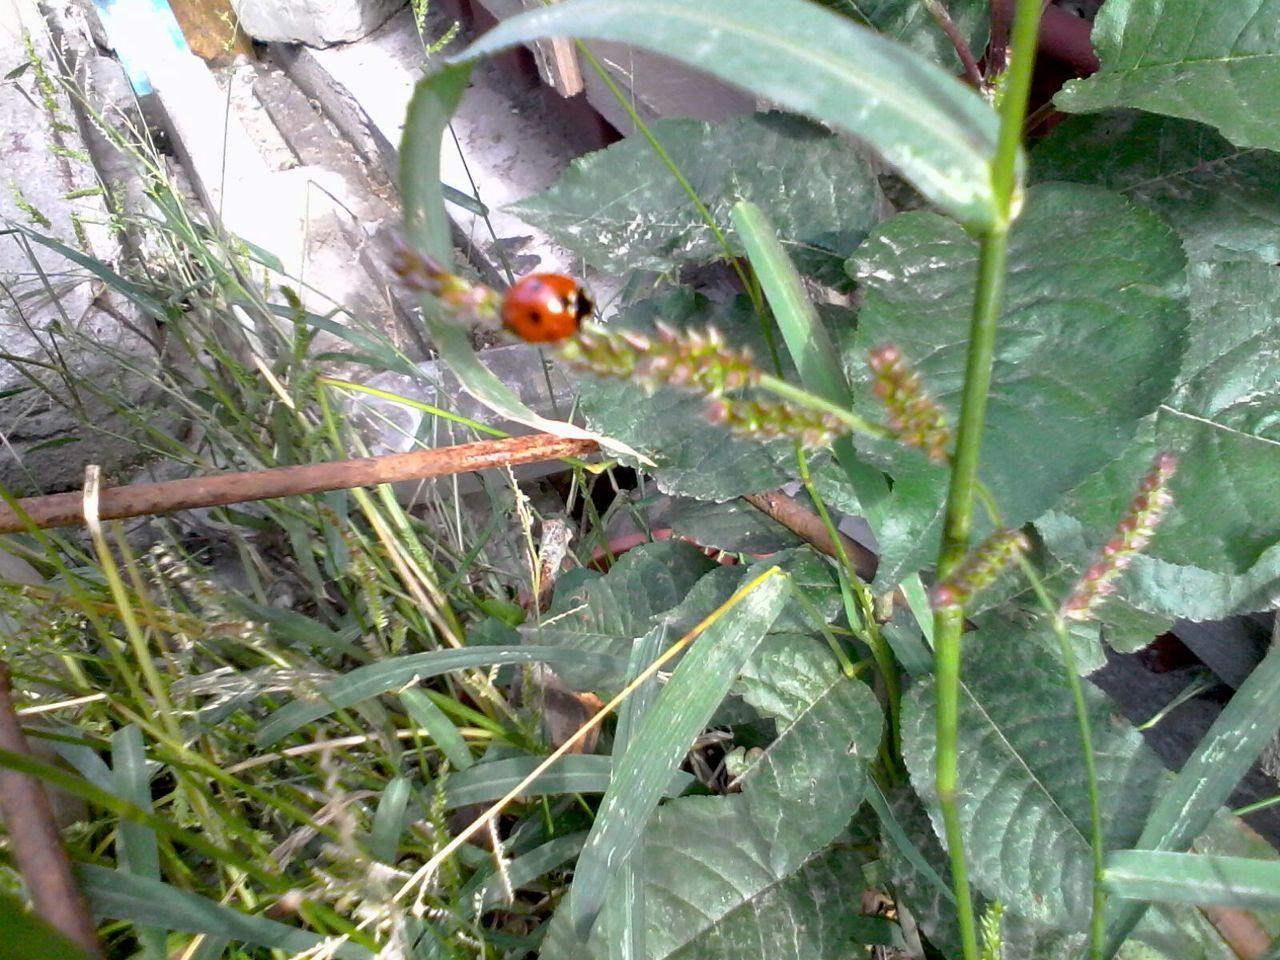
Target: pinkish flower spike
(1132, 535)
(915, 418)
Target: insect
(544, 307)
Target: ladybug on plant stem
(544, 307)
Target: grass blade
(662, 738)
(137, 849)
(123, 896)
(365, 682)
(1168, 877)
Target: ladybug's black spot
(535, 316)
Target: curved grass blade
(1166, 877)
(123, 896)
(663, 736)
(524, 870)
(427, 229)
(575, 773)
(388, 820)
(377, 678)
(136, 845)
(936, 132)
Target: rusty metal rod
(34, 842)
(144, 499)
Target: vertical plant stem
(958, 520)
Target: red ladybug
(544, 307)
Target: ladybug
(544, 307)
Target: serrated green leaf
(664, 734)
(1024, 804)
(693, 457)
(939, 134)
(604, 615)
(1216, 553)
(721, 868)
(1218, 63)
(123, 896)
(1224, 201)
(1088, 344)
(620, 209)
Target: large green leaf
(720, 871)
(621, 209)
(1224, 201)
(692, 456)
(1216, 554)
(1024, 803)
(1090, 339)
(606, 614)
(939, 134)
(910, 23)
(1204, 60)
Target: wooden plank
(557, 60)
(212, 29)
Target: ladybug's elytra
(544, 307)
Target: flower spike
(914, 417)
(1131, 536)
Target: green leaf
(386, 675)
(1193, 878)
(606, 614)
(692, 457)
(661, 740)
(1024, 808)
(123, 896)
(910, 23)
(1089, 343)
(27, 937)
(939, 134)
(1218, 63)
(718, 870)
(734, 526)
(438, 727)
(1216, 553)
(136, 845)
(1224, 201)
(573, 773)
(388, 820)
(620, 209)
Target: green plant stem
(958, 518)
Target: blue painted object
(134, 28)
